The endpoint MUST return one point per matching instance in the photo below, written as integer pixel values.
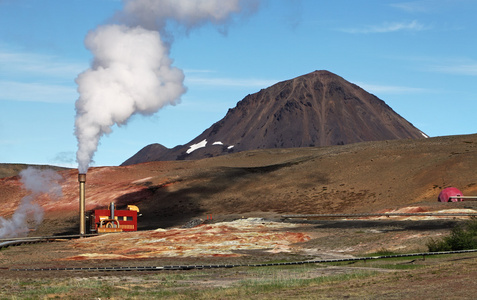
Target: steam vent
(82, 181)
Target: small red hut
(446, 194)
(112, 220)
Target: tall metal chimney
(111, 208)
(82, 181)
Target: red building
(446, 194)
(112, 220)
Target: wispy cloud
(230, 82)
(444, 64)
(391, 89)
(387, 27)
(32, 64)
(4, 142)
(466, 69)
(426, 6)
(37, 77)
(197, 71)
(211, 78)
(414, 6)
(37, 92)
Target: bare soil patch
(357, 178)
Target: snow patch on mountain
(194, 147)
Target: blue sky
(418, 56)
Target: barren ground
(246, 194)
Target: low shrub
(462, 237)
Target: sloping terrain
(316, 109)
(246, 193)
(355, 178)
(8, 170)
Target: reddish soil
(400, 176)
(210, 240)
(358, 178)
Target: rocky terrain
(316, 109)
(238, 200)
(354, 178)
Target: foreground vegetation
(462, 237)
(370, 279)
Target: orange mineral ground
(208, 240)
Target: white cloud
(441, 64)
(391, 89)
(447, 65)
(37, 77)
(37, 92)
(413, 6)
(200, 71)
(203, 77)
(467, 69)
(31, 64)
(8, 142)
(229, 82)
(425, 6)
(387, 27)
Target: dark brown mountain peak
(152, 152)
(317, 109)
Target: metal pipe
(111, 205)
(422, 214)
(82, 203)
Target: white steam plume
(131, 71)
(29, 214)
(153, 14)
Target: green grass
(395, 263)
(234, 283)
(462, 237)
(172, 285)
(409, 266)
(284, 282)
(383, 252)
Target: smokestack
(131, 73)
(111, 205)
(82, 181)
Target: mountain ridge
(313, 110)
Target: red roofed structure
(445, 194)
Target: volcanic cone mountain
(316, 109)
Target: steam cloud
(30, 214)
(132, 72)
